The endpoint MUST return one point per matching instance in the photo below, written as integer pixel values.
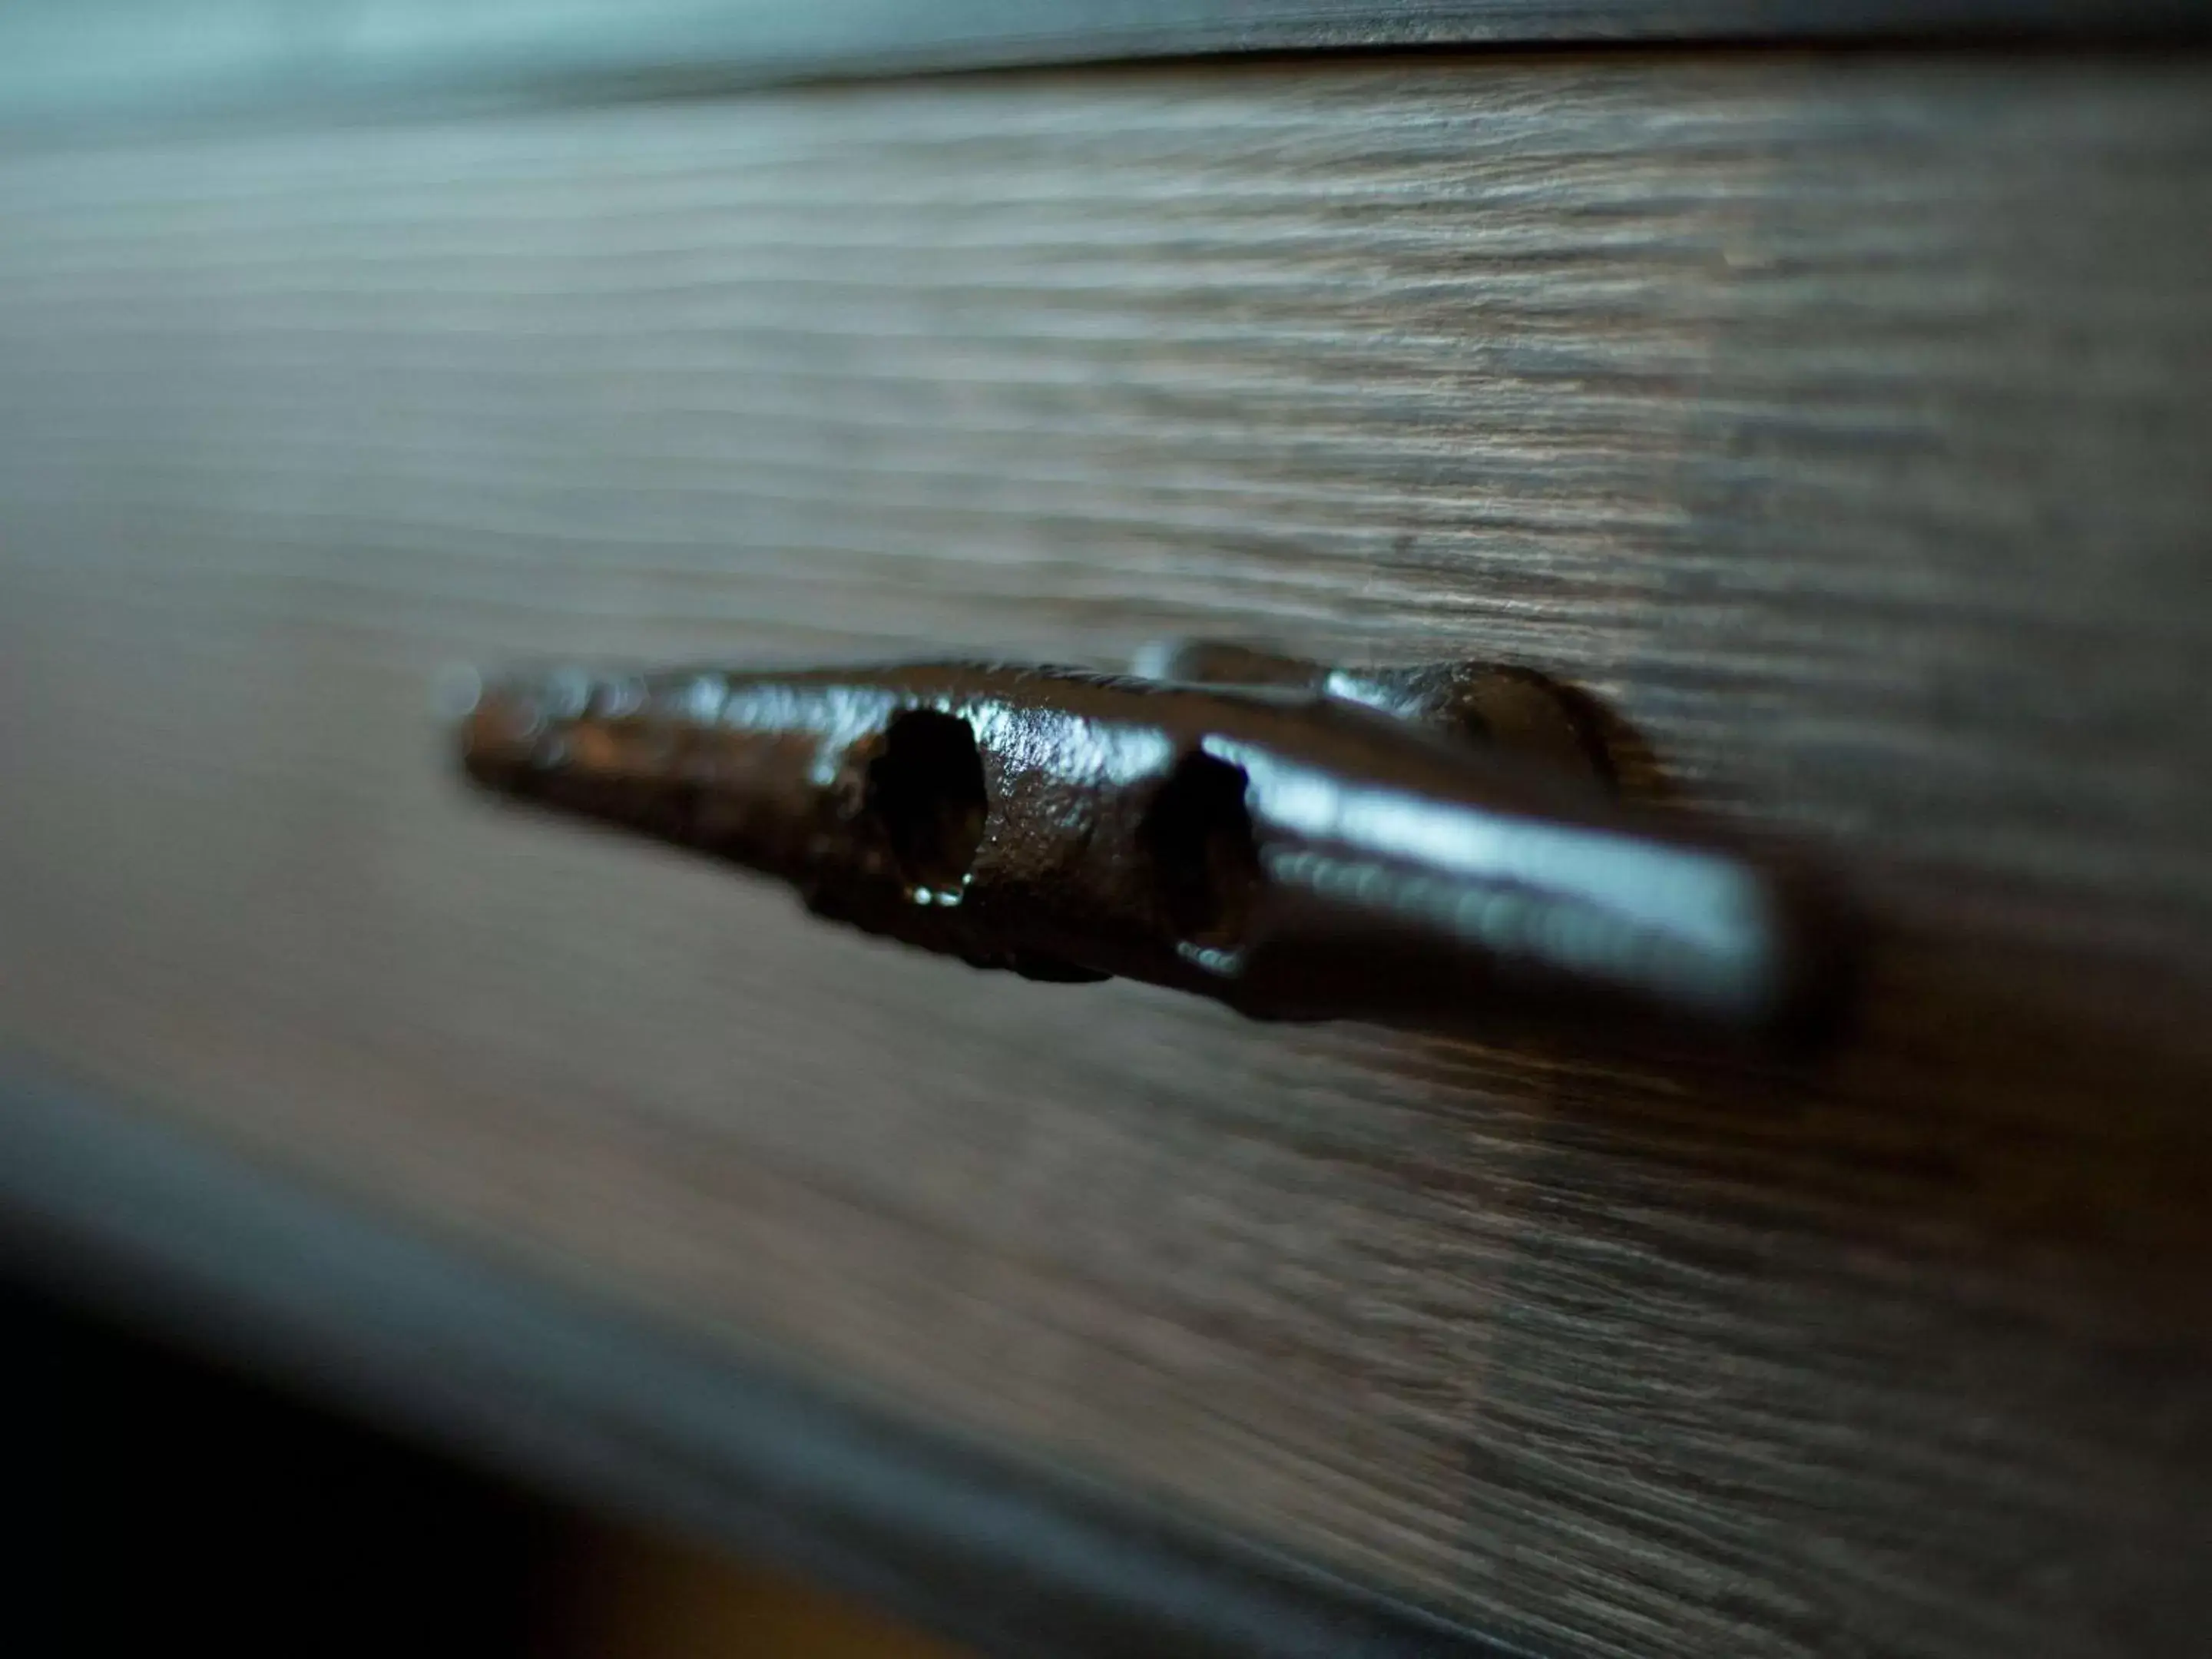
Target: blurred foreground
(166, 1501)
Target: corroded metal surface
(1430, 846)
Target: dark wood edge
(129, 1217)
(80, 59)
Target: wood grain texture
(91, 61)
(1842, 422)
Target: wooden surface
(579, 1398)
(70, 62)
(1841, 423)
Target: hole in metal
(926, 790)
(1197, 835)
